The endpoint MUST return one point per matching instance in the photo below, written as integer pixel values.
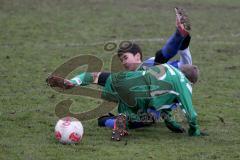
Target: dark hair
(127, 46)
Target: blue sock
(109, 123)
(172, 46)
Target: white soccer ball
(69, 130)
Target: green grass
(38, 36)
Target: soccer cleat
(182, 22)
(56, 81)
(119, 129)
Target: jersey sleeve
(185, 98)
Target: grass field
(37, 36)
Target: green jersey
(153, 87)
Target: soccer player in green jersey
(132, 64)
(131, 57)
(154, 87)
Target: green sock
(82, 79)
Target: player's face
(130, 61)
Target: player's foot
(119, 129)
(56, 81)
(182, 21)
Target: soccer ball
(68, 130)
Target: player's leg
(106, 120)
(185, 57)
(81, 79)
(174, 43)
(109, 123)
(121, 123)
(170, 49)
(87, 78)
(184, 53)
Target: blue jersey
(150, 62)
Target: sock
(172, 46)
(185, 42)
(82, 79)
(110, 123)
